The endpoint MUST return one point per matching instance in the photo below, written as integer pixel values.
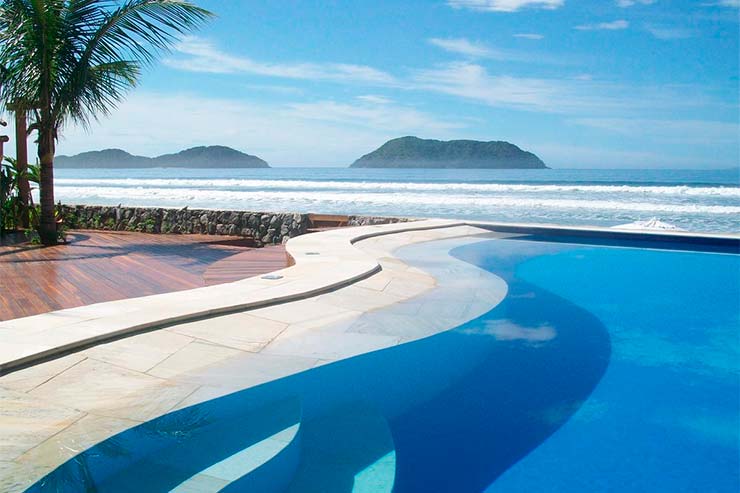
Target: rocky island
(413, 152)
(197, 157)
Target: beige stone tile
(104, 389)
(210, 392)
(298, 311)
(242, 372)
(62, 336)
(45, 321)
(74, 439)
(30, 378)
(409, 287)
(26, 421)
(335, 322)
(377, 282)
(390, 324)
(240, 331)
(140, 352)
(193, 358)
(328, 345)
(359, 299)
(12, 350)
(391, 264)
(16, 477)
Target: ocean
(699, 201)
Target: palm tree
(73, 60)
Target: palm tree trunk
(47, 225)
(21, 157)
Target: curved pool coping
(324, 262)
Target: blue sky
(582, 83)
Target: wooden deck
(105, 266)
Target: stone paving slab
(105, 389)
(324, 262)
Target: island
(197, 157)
(413, 152)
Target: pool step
(267, 461)
(234, 443)
(258, 467)
(347, 449)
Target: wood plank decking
(105, 266)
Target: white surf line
(286, 198)
(180, 183)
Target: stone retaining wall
(264, 227)
(373, 220)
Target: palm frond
(125, 39)
(75, 59)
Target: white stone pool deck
(79, 389)
(73, 378)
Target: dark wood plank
(98, 266)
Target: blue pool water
(604, 369)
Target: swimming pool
(605, 368)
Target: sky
(581, 83)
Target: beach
(700, 201)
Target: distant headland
(197, 157)
(413, 152)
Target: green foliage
(97, 221)
(33, 236)
(11, 205)
(34, 213)
(148, 225)
(74, 60)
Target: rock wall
(373, 220)
(264, 227)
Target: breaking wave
(251, 184)
(271, 199)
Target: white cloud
(472, 81)
(394, 119)
(374, 99)
(473, 49)
(477, 50)
(605, 26)
(462, 46)
(273, 88)
(629, 3)
(464, 79)
(533, 36)
(668, 33)
(505, 5)
(198, 55)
